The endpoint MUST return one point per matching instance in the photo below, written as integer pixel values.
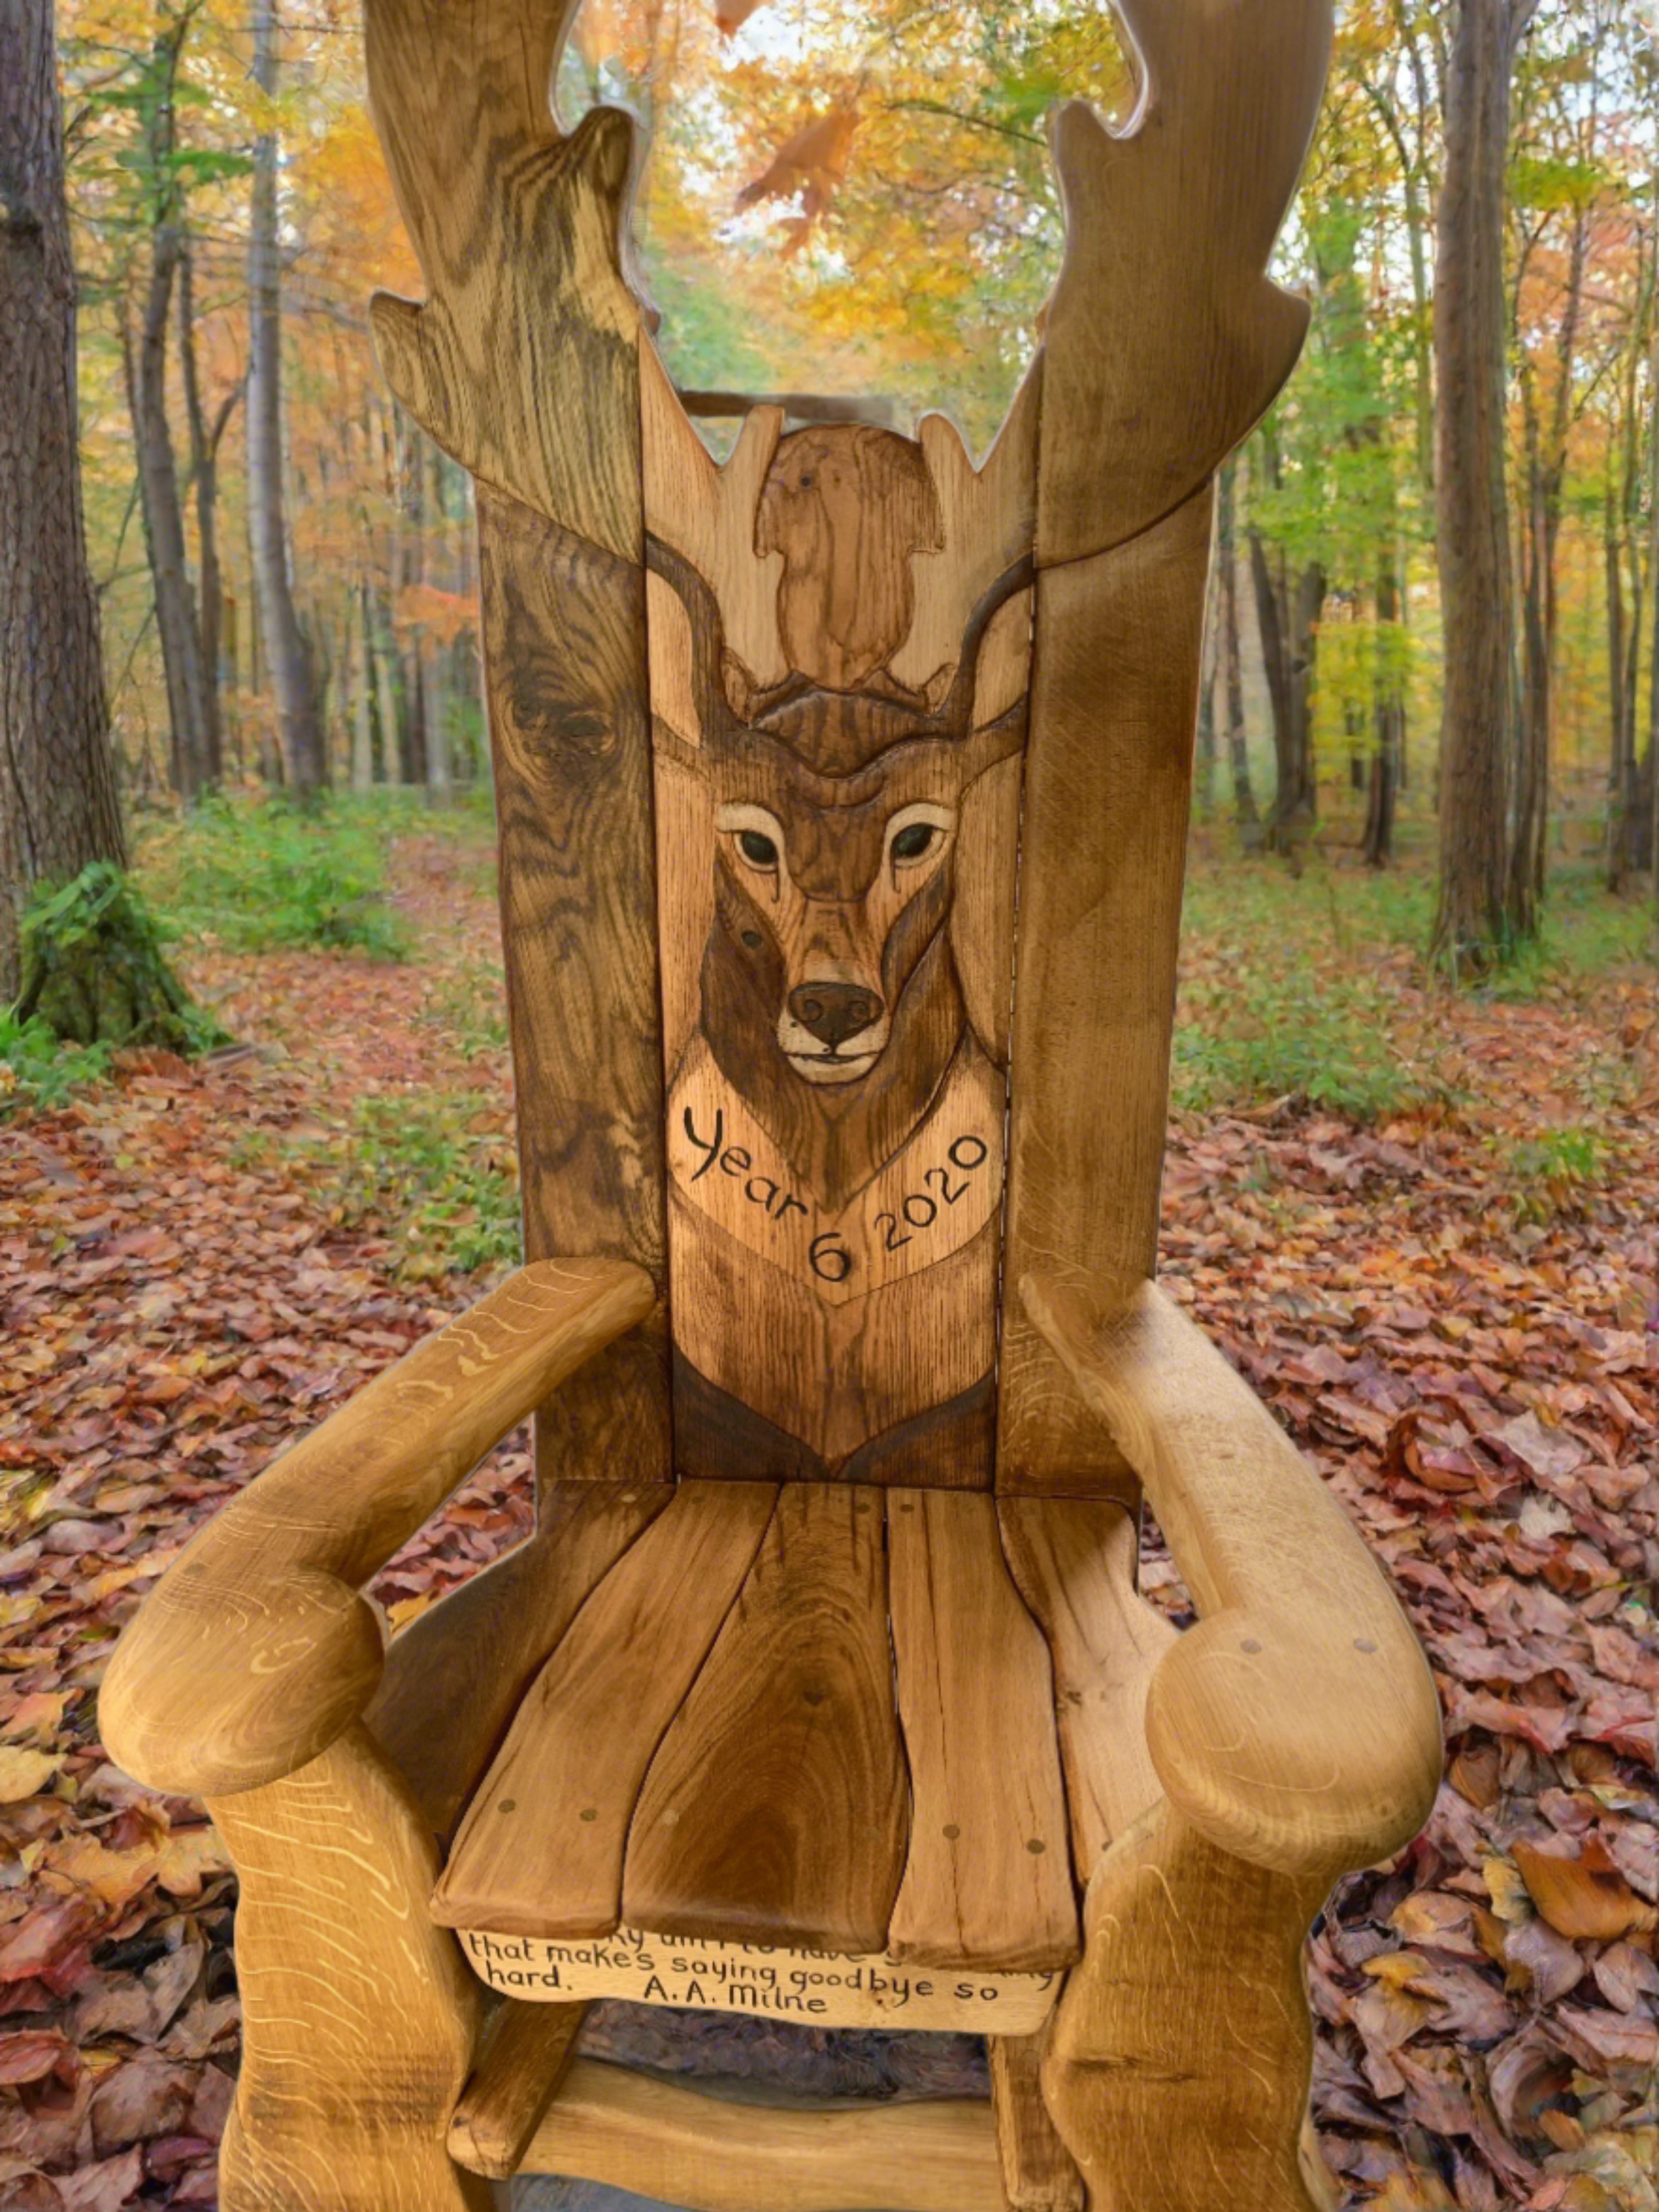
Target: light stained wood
(540, 1852)
(1039, 2174)
(982, 911)
(988, 1877)
(1165, 341)
(527, 2054)
(565, 659)
(1178, 2060)
(775, 1810)
(1291, 1604)
(1073, 1560)
(359, 2018)
(661, 2141)
(523, 362)
(1103, 842)
(472, 1656)
(769, 1981)
(988, 521)
(706, 512)
(255, 1650)
(848, 507)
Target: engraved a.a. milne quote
(704, 1975)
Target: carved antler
(1165, 342)
(522, 362)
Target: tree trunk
(58, 808)
(1388, 719)
(298, 724)
(1476, 923)
(1233, 665)
(1289, 623)
(205, 471)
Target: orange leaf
(1582, 1897)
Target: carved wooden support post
(1178, 2064)
(360, 2018)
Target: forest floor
(1422, 1224)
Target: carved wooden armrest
(1296, 1725)
(255, 1650)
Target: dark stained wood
(564, 632)
(1165, 341)
(471, 1657)
(1107, 788)
(988, 1879)
(836, 851)
(1073, 1559)
(1039, 2174)
(775, 1811)
(527, 2054)
(540, 1852)
(523, 363)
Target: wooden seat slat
(988, 1880)
(1073, 1559)
(540, 1852)
(775, 1809)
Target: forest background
(1414, 1140)
(854, 200)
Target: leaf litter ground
(1454, 1311)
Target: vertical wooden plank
(1107, 786)
(775, 1811)
(988, 1878)
(1179, 2056)
(1073, 1559)
(1039, 2174)
(564, 633)
(359, 2017)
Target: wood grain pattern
(1073, 1561)
(775, 1809)
(359, 2018)
(1108, 789)
(564, 644)
(472, 1656)
(807, 1988)
(518, 231)
(1165, 341)
(660, 2141)
(988, 1877)
(1178, 2061)
(526, 2053)
(540, 1852)
(255, 1650)
(1288, 1597)
(836, 863)
(1039, 2174)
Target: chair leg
(360, 2017)
(1178, 2064)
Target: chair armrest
(1297, 1724)
(255, 1650)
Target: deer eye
(760, 852)
(915, 841)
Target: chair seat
(795, 1750)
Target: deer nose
(834, 1011)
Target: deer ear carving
(981, 922)
(1002, 675)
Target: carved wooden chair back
(783, 747)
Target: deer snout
(832, 1012)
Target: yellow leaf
(24, 1773)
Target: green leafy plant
(267, 876)
(440, 1174)
(95, 971)
(38, 1071)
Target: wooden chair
(843, 795)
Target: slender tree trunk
(1475, 923)
(58, 808)
(1232, 664)
(305, 761)
(1388, 719)
(362, 719)
(205, 471)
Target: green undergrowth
(436, 1171)
(38, 1071)
(261, 875)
